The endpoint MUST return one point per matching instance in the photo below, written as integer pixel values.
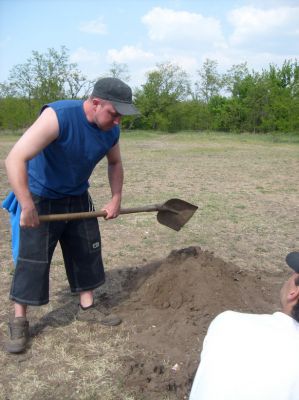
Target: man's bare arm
(116, 178)
(42, 132)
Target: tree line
(238, 100)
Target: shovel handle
(95, 214)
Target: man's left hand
(112, 209)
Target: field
(166, 285)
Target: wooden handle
(96, 214)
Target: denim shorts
(80, 242)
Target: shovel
(174, 213)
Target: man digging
(48, 169)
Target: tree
(164, 89)
(232, 80)
(41, 79)
(282, 110)
(47, 77)
(210, 82)
(249, 96)
(119, 70)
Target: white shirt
(249, 357)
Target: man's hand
(112, 209)
(29, 217)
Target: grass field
(246, 188)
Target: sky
(144, 33)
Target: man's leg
(81, 248)
(20, 310)
(30, 285)
(86, 299)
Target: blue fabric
(65, 165)
(12, 205)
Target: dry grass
(247, 191)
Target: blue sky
(142, 33)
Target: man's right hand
(29, 217)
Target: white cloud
(90, 63)
(187, 39)
(129, 54)
(82, 55)
(183, 28)
(96, 26)
(250, 23)
(185, 61)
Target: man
(250, 356)
(48, 169)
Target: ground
(172, 308)
(167, 286)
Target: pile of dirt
(168, 308)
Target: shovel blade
(175, 213)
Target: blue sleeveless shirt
(65, 165)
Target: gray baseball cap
(116, 92)
(292, 259)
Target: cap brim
(125, 108)
(292, 259)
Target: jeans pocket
(92, 235)
(34, 243)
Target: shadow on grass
(120, 283)
(61, 316)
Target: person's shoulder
(228, 314)
(232, 318)
(224, 318)
(61, 105)
(242, 316)
(243, 321)
(66, 104)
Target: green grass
(216, 136)
(273, 137)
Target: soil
(167, 307)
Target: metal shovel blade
(175, 213)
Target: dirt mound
(169, 310)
